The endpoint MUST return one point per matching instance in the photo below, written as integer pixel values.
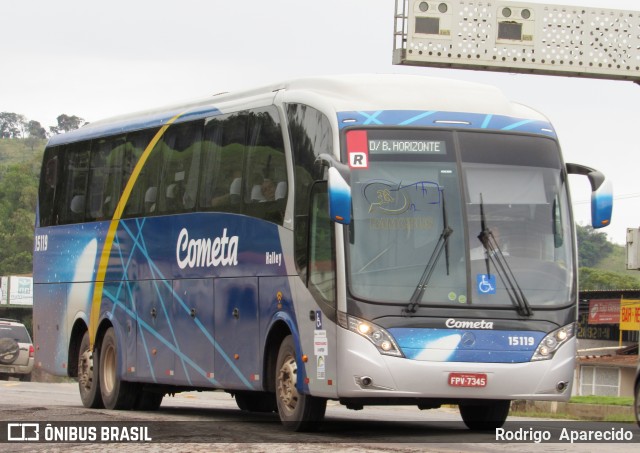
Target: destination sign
(408, 146)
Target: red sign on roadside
(604, 311)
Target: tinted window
(106, 177)
(71, 204)
(244, 166)
(310, 134)
(265, 192)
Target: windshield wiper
(441, 245)
(495, 255)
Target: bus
(367, 239)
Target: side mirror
(339, 197)
(601, 194)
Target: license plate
(467, 379)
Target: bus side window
(126, 158)
(222, 163)
(266, 167)
(72, 203)
(105, 168)
(181, 158)
(48, 187)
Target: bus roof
(336, 93)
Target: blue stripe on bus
(459, 345)
(439, 119)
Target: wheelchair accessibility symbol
(486, 283)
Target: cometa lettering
(452, 323)
(206, 252)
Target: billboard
(604, 311)
(16, 290)
(630, 314)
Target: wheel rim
(109, 369)
(85, 371)
(287, 378)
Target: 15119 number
(521, 341)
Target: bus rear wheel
(298, 411)
(116, 393)
(486, 415)
(148, 400)
(88, 381)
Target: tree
(597, 279)
(18, 192)
(593, 246)
(12, 125)
(67, 123)
(35, 130)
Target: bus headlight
(380, 338)
(552, 342)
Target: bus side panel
(193, 321)
(155, 345)
(117, 306)
(276, 301)
(237, 333)
(51, 340)
(64, 263)
(317, 335)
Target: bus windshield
(458, 218)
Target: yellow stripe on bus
(113, 227)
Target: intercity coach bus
(369, 239)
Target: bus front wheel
(298, 411)
(486, 415)
(88, 382)
(116, 393)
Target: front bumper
(360, 363)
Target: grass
(13, 151)
(603, 400)
(599, 400)
(561, 416)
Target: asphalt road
(211, 421)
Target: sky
(97, 59)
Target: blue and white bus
(378, 239)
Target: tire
(256, 401)
(485, 416)
(298, 412)
(88, 375)
(25, 377)
(9, 350)
(116, 393)
(148, 401)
